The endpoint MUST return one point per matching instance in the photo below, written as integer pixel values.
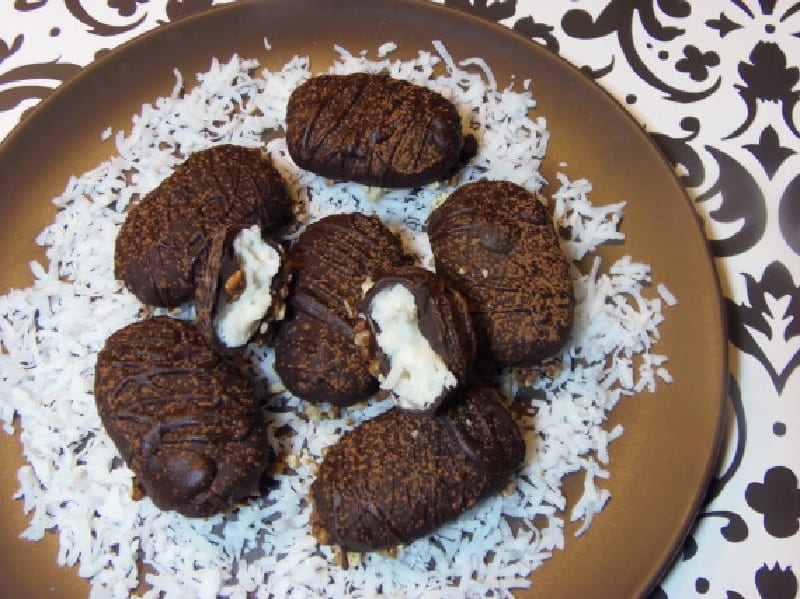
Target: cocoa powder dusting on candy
(161, 247)
(395, 478)
(375, 130)
(495, 243)
(183, 418)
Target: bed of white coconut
(51, 333)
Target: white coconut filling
(237, 321)
(417, 374)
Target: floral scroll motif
(618, 18)
(769, 321)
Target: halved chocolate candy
(242, 289)
(376, 130)
(315, 352)
(161, 247)
(396, 478)
(496, 244)
(183, 418)
(421, 337)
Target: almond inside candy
(235, 285)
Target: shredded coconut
(51, 332)
(385, 49)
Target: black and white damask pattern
(35, 58)
(717, 85)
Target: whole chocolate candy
(162, 245)
(420, 337)
(396, 478)
(495, 243)
(242, 288)
(184, 419)
(315, 352)
(376, 130)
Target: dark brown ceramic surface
(662, 464)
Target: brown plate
(659, 468)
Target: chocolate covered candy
(396, 478)
(495, 243)
(315, 352)
(184, 419)
(162, 245)
(319, 362)
(376, 130)
(242, 289)
(419, 335)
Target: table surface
(717, 84)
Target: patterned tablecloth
(717, 84)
